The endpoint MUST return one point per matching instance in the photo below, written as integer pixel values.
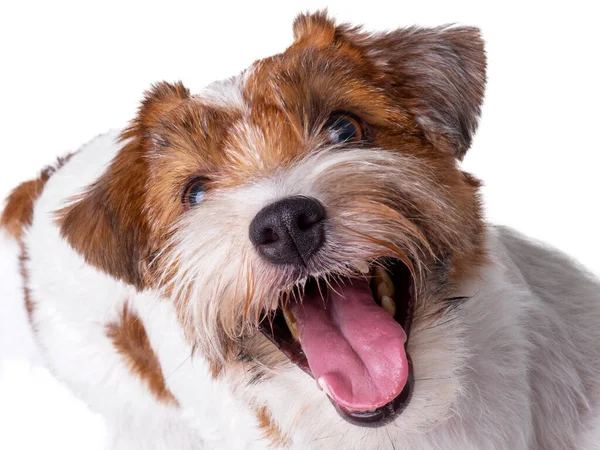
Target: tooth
(388, 304)
(385, 289)
(324, 386)
(290, 320)
(359, 410)
(363, 267)
(384, 283)
(382, 276)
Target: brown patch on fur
(19, 207)
(18, 212)
(271, 430)
(28, 299)
(131, 341)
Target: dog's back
(85, 344)
(561, 317)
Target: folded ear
(158, 101)
(437, 74)
(107, 224)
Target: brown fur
(18, 215)
(271, 430)
(28, 299)
(18, 211)
(108, 224)
(131, 341)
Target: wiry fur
(215, 265)
(149, 311)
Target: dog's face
(313, 202)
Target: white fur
(505, 370)
(226, 93)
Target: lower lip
(384, 415)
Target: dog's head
(309, 212)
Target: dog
(293, 258)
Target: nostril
(269, 236)
(305, 222)
(312, 213)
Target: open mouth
(351, 336)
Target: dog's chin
(351, 335)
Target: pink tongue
(353, 346)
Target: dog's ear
(107, 224)
(315, 29)
(438, 74)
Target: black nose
(289, 231)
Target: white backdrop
(71, 70)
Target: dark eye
(343, 128)
(194, 192)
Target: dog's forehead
(271, 112)
(294, 82)
(250, 125)
(246, 134)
